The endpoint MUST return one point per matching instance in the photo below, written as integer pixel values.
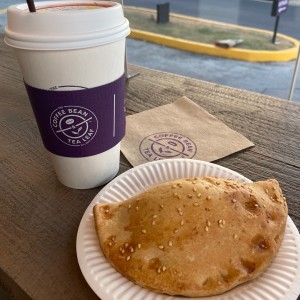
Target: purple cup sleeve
(81, 122)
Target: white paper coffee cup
(71, 54)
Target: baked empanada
(194, 236)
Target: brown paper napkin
(181, 129)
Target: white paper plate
(280, 281)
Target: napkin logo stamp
(74, 125)
(163, 145)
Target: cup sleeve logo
(74, 125)
(78, 122)
(164, 145)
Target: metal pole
(291, 94)
(275, 30)
(129, 73)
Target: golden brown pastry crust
(194, 237)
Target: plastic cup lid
(62, 25)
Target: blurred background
(269, 78)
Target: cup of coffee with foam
(71, 54)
